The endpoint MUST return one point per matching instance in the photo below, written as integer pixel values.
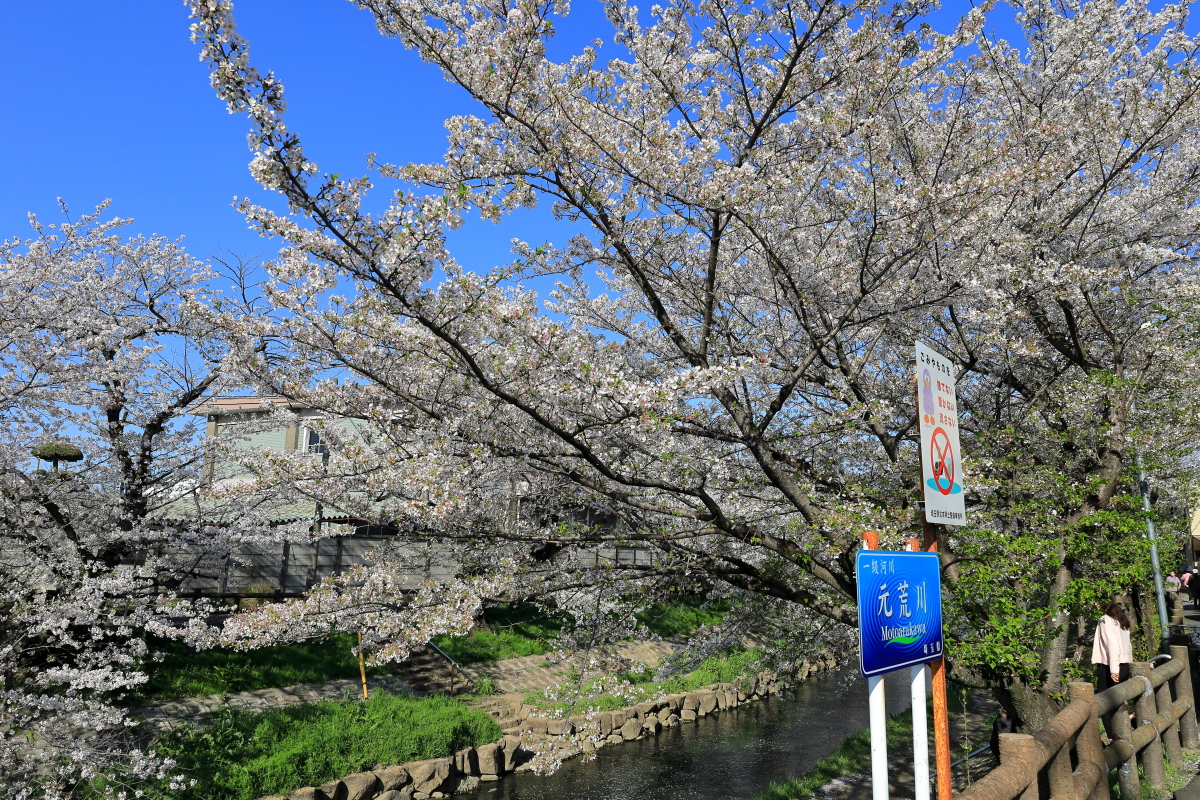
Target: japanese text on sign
(941, 458)
(899, 608)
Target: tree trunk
(1057, 624)
(1033, 706)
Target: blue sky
(109, 100)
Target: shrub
(242, 756)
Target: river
(736, 753)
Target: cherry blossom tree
(102, 350)
(1086, 304)
(780, 200)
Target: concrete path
(533, 673)
(163, 717)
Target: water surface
(736, 753)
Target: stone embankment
(524, 732)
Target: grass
(681, 618)
(242, 756)
(516, 630)
(523, 629)
(185, 672)
(520, 629)
(597, 694)
(726, 668)
(852, 756)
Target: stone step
(427, 672)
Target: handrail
(1163, 716)
(1108, 700)
(972, 754)
(1010, 779)
(1121, 751)
(446, 656)
(466, 676)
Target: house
(293, 564)
(335, 540)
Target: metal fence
(288, 569)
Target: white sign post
(920, 733)
(941, 458)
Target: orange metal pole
(941, 711)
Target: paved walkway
(533, 673)
(163, 717)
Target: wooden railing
(1067, 760)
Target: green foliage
(680, 618)
(1034, 556)
(185, 672)
(728, 668)
(852, 755)
(520, 629)
(242, 756)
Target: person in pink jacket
(1111, 650)
(1112, 653)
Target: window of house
(632, 555)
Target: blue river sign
(899, 609)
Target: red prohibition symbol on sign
(941, 457)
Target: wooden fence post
(1088, 746)
(1016, 747)
(1127, 773)
(1152, 755)
(1183, 688)
(1170, 736)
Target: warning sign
(941, 463)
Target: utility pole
(1158, 581)
(1144, 485)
